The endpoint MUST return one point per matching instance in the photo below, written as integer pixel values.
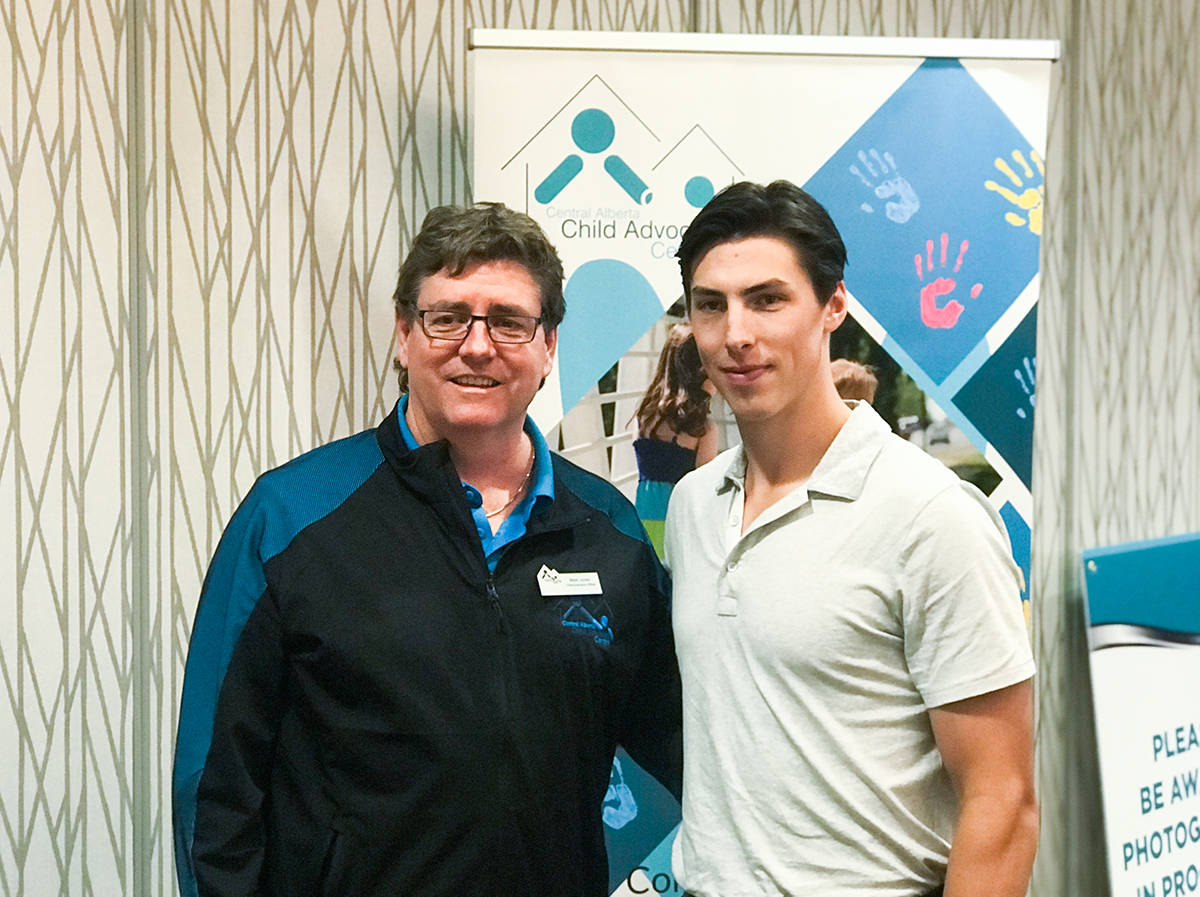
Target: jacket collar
(429, 472)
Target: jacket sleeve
(229, 717)
(652, 730)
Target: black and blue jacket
(367, 710)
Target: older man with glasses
(417, 648)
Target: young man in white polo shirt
(856, 668)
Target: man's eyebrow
(772, 284)
(503, 308)
(500, 308)
(766, 286)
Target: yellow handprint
(1029, 201)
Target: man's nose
(738, 327)
(477, 342)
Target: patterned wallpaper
(205, 208)
(68, 689)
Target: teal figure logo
(593, 132)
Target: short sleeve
(964, 629)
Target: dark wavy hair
(676, 396)
(452, 238)
(780, 209)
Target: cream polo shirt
(811, 648)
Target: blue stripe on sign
(1150, 584)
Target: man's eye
(766, 300)
(707, 306)
(444, 319)
(506, 322)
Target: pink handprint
(941, 317)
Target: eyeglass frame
(538, 320)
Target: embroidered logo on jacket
(588, 617)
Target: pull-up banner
(927, 153)
(1143, 608)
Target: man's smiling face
(474, 387)
(762, 334)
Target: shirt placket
(731, 539)
(737, 544)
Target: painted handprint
(941, 317)
(620, 807)
(1031, 198)
(886, 183)
(1026, 374)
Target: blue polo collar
(543, 466)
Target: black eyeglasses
(502, 327)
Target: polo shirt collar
(842, 470)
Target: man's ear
(836, 308)
(403, 328)
(551, 337)
(551, 346)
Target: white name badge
(554, 584)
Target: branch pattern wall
(205, 209)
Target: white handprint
(886, 183)
(619, 806)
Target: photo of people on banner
(938, 196)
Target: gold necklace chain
(520, 489)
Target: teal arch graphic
(610, 304)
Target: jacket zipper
(503, 673)
(494, 600)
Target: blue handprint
(1026, 375)
(886, 183)
(620, 807)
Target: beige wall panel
(582, 15)
(66, 643)
(233, 147)
(1119, 455)
(356, 207)
(1138, 274)
(890, 18)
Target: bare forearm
(994, 846)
